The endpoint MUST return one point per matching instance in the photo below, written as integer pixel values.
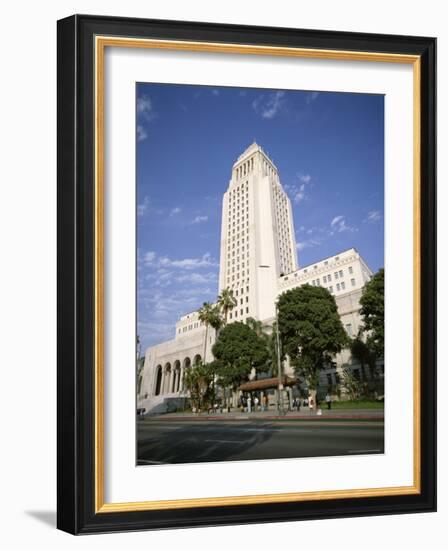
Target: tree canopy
(310, 329)
(372, 310)
(239, 349)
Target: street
(168, 442)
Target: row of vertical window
(234, 314)
(244, 169)
(187, 328)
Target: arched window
(158, 380)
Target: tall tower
(257, 235)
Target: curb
(221, 418)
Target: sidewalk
(303, 414)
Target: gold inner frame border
(100, 44)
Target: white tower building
(257, 235)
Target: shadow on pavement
(200, 443)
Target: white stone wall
(341, 273)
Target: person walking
(328, 401)
(249, 404)
(256, 403)
(264, 402)
(311, 404)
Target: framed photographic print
(246, 274)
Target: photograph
(259, 273)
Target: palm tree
(209, 315)
(256, 326)
(226, 302)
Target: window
(343, 286)
(348, 328)
(350, 270)
(330, 288)
(353, 282)
(329, 278)
(338, 287)
(247, 310)
(341, 274)
(336, 275)
(325, 278)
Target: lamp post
(279, 364)
(279, 360)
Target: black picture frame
(76, 479)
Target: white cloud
(268, 105)
(305, 178)
(373, 216)
(336, 220)
(143, 207)
(145, 108)
(339, 225)
(200, 219)
(297, 191)
(141, 133)
(308, 243)
(165, 263)
(189, 263)
(149, 257)
(312, 96)
(197, 278)
(145, 113)
(175, 210)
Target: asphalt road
(162, 442)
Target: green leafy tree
(210, 316)
(362, 353)
(310, 329)
(372, 310)
(239, 350)
(226, 302)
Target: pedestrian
(311, 403)
(264, 402)
(294, 404)
(298, 404)
(328, 401)
(249, 404)
(256, 401)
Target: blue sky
(328, 148)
